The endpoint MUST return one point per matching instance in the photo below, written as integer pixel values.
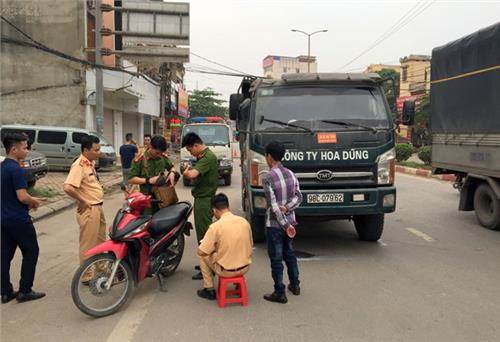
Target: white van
(62, 145)
(218, 137)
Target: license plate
(325, 198)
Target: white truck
(217, 135)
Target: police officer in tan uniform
(83, 184)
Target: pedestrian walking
(84, 185)
(283, 196)
(147, 168)
(17, 228)
(206, 178)
(226, 248)
(128, 152)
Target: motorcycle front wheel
(88, 287)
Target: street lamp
(309, 44)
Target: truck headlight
(26, 164)
(386, 167)
(226, 162)
(258, 167)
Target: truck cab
(217, 135)
(339, 140)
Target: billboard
(183, 102)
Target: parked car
(34, 165)
(62, 145)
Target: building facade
(380, 67)
(415, 75)
(42, 88)
(275, 66)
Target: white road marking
(126, 327)
(382, 243)
(421, 234)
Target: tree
(206, 103)
(421, 128)
(388, 87)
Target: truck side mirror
(234, 105)
(408, 113)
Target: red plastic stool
(241, 291)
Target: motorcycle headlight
(258, 168)
(386, 167)
(136, 230)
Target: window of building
(285, 69)
(297, 70)
(48, 137)
(404, 76)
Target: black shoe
(197, 268)
(8, 297)
(274, 297)
(24, 297)
(207, 294)
(295, 289)
(197, 276)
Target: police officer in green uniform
(206, 179)
(156, 161)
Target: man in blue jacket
(17, 227)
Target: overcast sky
(240, 34)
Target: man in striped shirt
(283, 196)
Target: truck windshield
(307, 106)
(210, 134)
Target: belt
(97, 204)
(234, 269)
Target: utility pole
(99, 91)
(309, 45)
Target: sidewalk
(53, 182)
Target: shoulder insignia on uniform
(84, 162)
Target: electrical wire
(219, 64)
(409, 16)
(37, 45)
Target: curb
(66, 203)
(424, 173)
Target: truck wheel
(258, 229)
(31, 183)
(227, 180)
(487, 207)
(369, 227)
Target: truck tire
(369, 227)
(487, 207)
(227, 180)
(258, 230)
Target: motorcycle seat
(165, 219)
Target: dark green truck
(339, 136)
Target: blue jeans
(279, 248)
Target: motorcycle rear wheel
(89, 293)
(177, 249)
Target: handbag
(165, 194)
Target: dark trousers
(279, 248)
(24, 236)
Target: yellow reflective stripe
(466, 75)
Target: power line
(40, 46)
(409, 16)
(219, 64)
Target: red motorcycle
(140, 246)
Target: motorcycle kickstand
(161, 282)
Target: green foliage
(414, 165)
(43, 192)
(388, 87)
(403, 152)
(421, 127)
(425, 154)
(206, 102)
